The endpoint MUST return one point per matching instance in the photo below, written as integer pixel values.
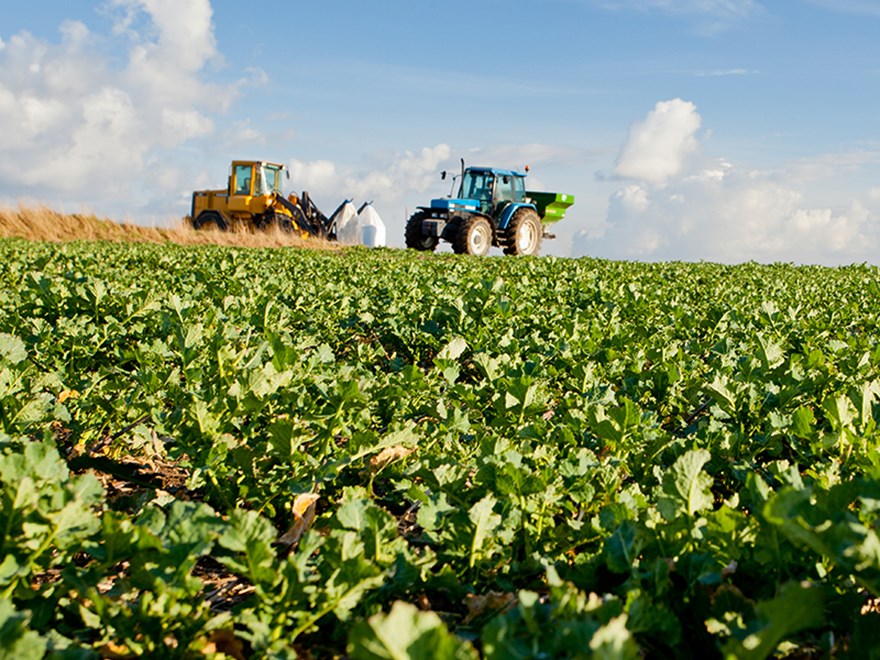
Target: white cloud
(82, 127)
(632, 199)
(317, 177)
(418, 171)
(398, 181)
(390, 181)
(659, 145)
(682, 207)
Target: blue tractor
(493, 207)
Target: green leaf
(614, 642)
(622, 547)
(840, 411)
(722, 395)
(12, 349)
(17, 641)
(407, 633)
(453, 350)
(686, 489)
(770, 352)
(250, 537)
(432, 512)
(804, 423)
(797, 607)
(485, 522)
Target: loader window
(271, 180)
(243, 179)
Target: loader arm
(307, 216)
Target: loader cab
(494, 189)
(253, 178)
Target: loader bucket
(551, 206)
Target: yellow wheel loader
(253, 199)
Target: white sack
(372, 227)
(348, 227)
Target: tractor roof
(496, 171)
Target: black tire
(524, 233)
(415, 239)
(208, 218)
(474, 236)
(282, 221)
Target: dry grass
(44, 224)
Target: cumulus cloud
(398, 181)
(718, 211)
(317, 176)
(394, 176)
(659, 145)
(83, 127)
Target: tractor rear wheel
(415, 239)
(474, 236)
(207, 218)
(524, 233)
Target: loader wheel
(283, 222)
(415, 239)
(474, 236)
(524, 233)
(207, 218)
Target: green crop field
(210, 452)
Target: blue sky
(723, 130)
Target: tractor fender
(509, 210)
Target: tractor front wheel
(474, 236)
(524, 233)
(207, 218)
(415, 239)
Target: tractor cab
(492, 188)
(254, 178)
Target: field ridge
(41, 223)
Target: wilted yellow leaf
(225, 642)
(67, 394)
(389, 455)
(304, 510)
(494, 602)
(116, 651)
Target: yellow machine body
(251, 197)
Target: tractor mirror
(443, 175)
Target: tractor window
(243, 179)
(519, 188)
(504, 189)
(477, 185)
